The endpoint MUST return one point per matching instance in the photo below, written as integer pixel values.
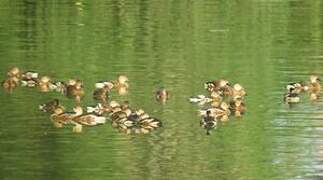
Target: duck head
(237, 87)
(314, 79)
(122, 79)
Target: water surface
(262, 44)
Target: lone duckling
(162, 95)
(314, 84)
(208, 122)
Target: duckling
(215, 85)
(162, 95)
(10, 84)
(314, 85)
(45, 84)
(297, 87)
(237, 107)
(87, 119)
(222, 112)
(208, 122)
(60, 117)
(238, 91)
(29, 79)
(14, 72)
(51, 106)
(101, 95)
(74, 89)
(291, 97)
(29, 83)
(30, 75)
(122, 81)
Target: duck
(122, 81)
(162, 95)
(74, 89)
(14, 72)
(291, 97)
(223, 112)
(238, 91)
(101, 94)
(208, 122)
(60, 117)
(45, 84)
(297, 87)
(87, 119)
(237, 107)
(216, 85)
(314, 84)
(51, 106)
(29, 79)
(10, 84)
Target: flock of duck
(296, 89)
(222, 101)
(123, 117)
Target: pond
(262, 44)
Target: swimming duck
(74, 89)
(208, 122)
(10, 84)
(51, 106)
(314, 84)
(29, 75)
(237, 107)
(162, 95)
(60, 117)
(291, 97)
(216, 85)
(14, 72)
(87, 119)
(122, 81)
(297, 87)
(45, 84)
(238, 91)
(29, 79)
(101, 95)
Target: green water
(178, 44)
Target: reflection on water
(263, 45)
